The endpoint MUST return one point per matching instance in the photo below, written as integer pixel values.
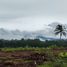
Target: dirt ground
(24, 58)
(21, 59)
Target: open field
(33, 57)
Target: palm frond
(56, 33)
(64, 33)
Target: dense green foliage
(32, 43)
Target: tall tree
(60, 29)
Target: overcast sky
(31, 15)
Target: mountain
(46, 34)
(16, 34)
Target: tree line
(32, 43)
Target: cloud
(10, 9)
(31, 14)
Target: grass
(47, 64)
(62, 56)
(53, 64)
(21, 48)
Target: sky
(31, 15)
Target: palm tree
(60, 29)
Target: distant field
(33, 57)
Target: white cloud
(31, 14)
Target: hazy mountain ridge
(47, 33)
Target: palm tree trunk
(60, 35)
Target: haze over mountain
(46, 33)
